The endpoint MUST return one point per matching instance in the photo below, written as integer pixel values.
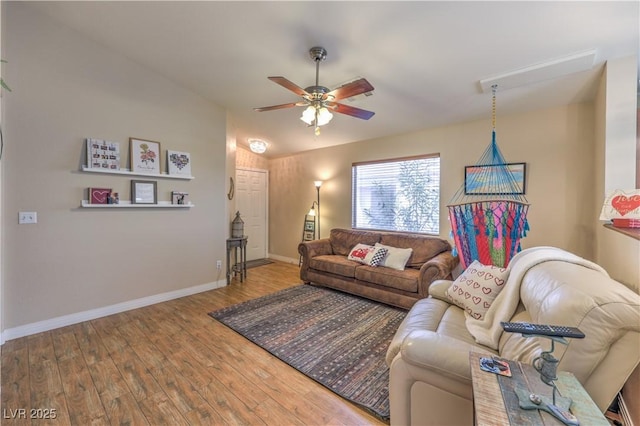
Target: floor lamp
(318, 184)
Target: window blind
(397, 195)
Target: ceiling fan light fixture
(324, 116)
(257, 145)
(309, 115)
(317, 97)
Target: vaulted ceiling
(424, 58)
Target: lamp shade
(324, 116)
(309, 115)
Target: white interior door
(251, 202)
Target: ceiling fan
(319, 99)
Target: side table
(494, 405)
(238, 267)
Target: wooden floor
(168, 363)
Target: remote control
(545, 330)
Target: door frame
(266, 202)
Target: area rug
(335, 338)
(258, 262)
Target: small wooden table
(238, 267)
(491, 408)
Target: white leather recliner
(430, 377)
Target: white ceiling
(424, 58)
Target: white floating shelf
(130, 173)
(128, 205)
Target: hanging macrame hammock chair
(488, 214)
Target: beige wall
(556, 144)
(67, 88)
(1, 219)
(246, 159)
(616, 139)
(615, 148)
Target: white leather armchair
(430, 377)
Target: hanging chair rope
(488, 214)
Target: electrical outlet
(27, 217)
(219, 264)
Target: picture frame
(145, 156)
(309, 236)
(475, 182)
(99, 195)
(144, 192)
(178, 163)
(309, 225)
(104, 155)
(179, 198)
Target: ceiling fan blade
(349, 110)
(289, 85)
(272, 107)
(352, 89)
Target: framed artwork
(477, 179)
(103, 154)
(309, 236)
(145, 156)
(144, 192)
(99, 195)
(178, 163)
(310, 225)
(179, 198)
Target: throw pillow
(396, 257)
(477, 287)
(367, 255)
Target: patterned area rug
(337, 339)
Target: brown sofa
(325, 263)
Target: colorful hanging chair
(488, 214)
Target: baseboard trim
(283, 259)
(65, 320)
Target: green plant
(2, 83)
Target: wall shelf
(128, 205)
(130, 173)
(629, 232)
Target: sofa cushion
(368, 255)
(406, 280)
(477, 287)
(396, 258)
(334, 264)
(424, 247)
(343, 240)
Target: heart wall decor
(99, 195)
(621, 204)
(178, 163)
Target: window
(397, 195)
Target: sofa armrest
(438, 288)
(310, 249)
(444, 355)
(437, 268)
(430, 381)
